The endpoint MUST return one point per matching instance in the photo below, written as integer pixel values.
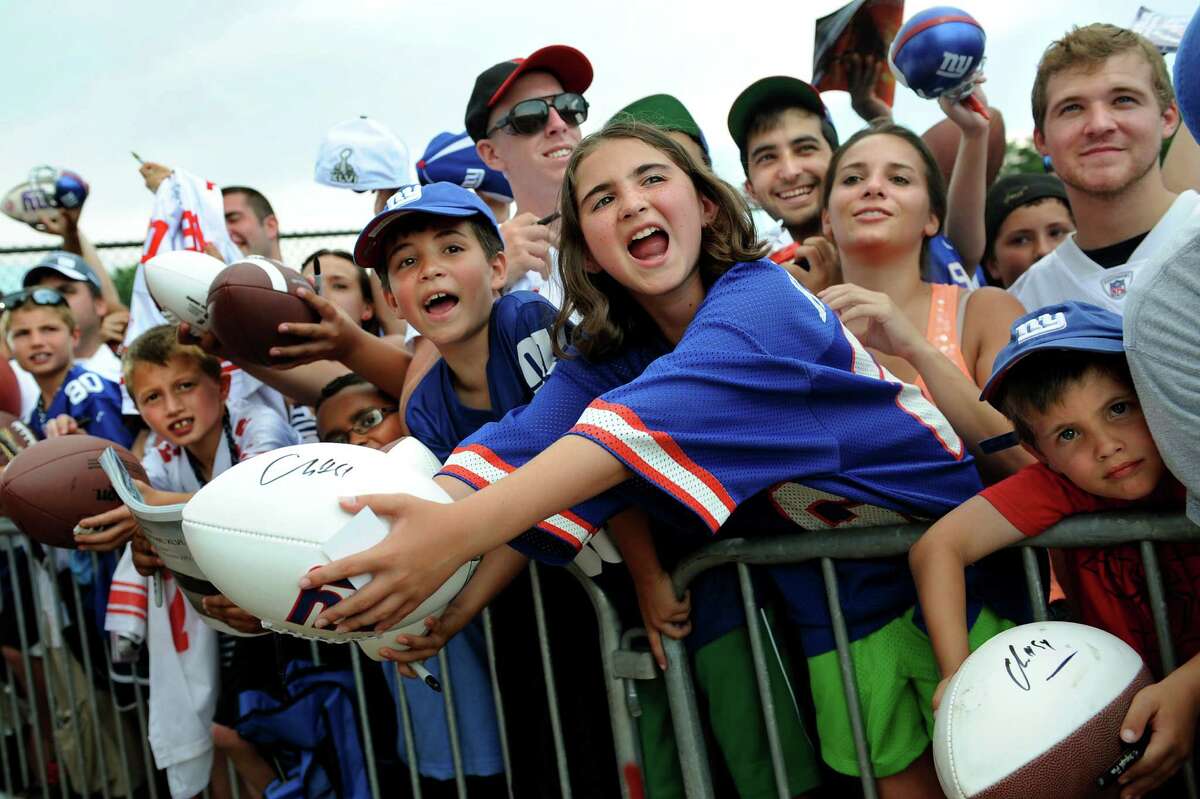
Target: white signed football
(1036, 712)
(259, 527)
(24, 202)
(179, 280)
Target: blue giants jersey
(93, 401)
(768, 398)
(520, 357)
(944, 265)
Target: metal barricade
(1081, 531)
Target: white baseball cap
(362, 154)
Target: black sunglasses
(529, 116)
(38, 296)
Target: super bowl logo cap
(1077, 326)
(361, 154)
(436, 199)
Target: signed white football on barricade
(1036, 712)
(260, 526)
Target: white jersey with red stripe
(256, 428)
(183, 649)
(765, 387)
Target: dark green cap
(776, 91)
(666, 112)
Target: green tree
(1020, 156)
(123, 279)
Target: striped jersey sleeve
(767, 386)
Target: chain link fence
(118, 255)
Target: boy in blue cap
(1064, 383)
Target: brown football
(248, 301)
(50, 486)
(942, 140)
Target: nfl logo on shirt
(1041, 325)
(1117, 287)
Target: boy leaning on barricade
(1064, 382)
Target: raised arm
(429, 540)
(967, 192)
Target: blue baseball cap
(452, 158)
(436, 199)
(1076, 326)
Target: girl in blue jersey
(699, 381)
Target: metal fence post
(365, 721)
(490, 644)
(625, 744)
(31, 687)
(460, 780)
(404, 720)
(539, 615)
(112, 698)
(849, 683)
(762, 677)
(89, 674)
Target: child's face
(1103, 127)
(179, 401)
(1026, 235)
(442, 282)
(641, 218)
(1096, 437)
(340, 285)
(880, 197)
(786, 166)
(40, 340)
(353, 407)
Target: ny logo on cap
(954, 65)
(474, 178)
(1041, 325)
(404, 195)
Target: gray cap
(67, 264)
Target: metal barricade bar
(1095, 530)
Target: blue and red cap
(570, 66)
(1068, 326)
(451, 158)
(436, 199)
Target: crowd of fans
(598, 320)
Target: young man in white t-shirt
(1102, 106)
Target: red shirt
(1109, 583)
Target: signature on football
(1016, 665)
(282, 467)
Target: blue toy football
(938, 52)
(1187, 67)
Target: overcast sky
(242, 93)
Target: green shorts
(896, 674)
(726, 683)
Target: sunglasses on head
(364, 423)
(38, 296)
(530, 116)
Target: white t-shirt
(1068, 274)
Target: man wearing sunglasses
(524, 116)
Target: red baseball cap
(570, 66)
